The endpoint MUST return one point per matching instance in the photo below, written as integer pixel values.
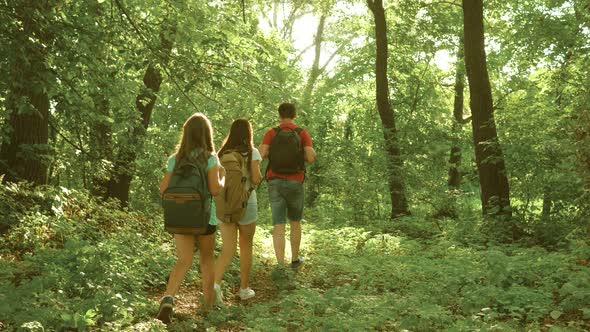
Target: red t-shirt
(305, 140)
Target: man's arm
(265, 144)
(309, 154)
(263, 149)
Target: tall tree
(458, 121)
(495, 193)
(399, 204)
(315, 67)
(25, 155)
(306, 103)
(119, 183)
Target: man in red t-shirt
(287, 147)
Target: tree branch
(288, 27)
(304, 50)
(466, 120)
(443, 2)
(145, 40)
(323, 68)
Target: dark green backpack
(187, 201)
(285, 154)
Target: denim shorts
(251, 211)
(286, 200)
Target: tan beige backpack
(231, 203)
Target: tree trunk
(120, 182)
(25, 156)
(313, 172)
(100, 134)
(399, 204)
(582, 136)
(547, 203)
(100, 144)
(455, 157)
(448, 207)
(275, 14)
(584, 155)
(495, 193)
(124, 166)
(313, 175)
(315, 68)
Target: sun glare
(304, 30)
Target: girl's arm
(255, 175)
(216, 177)
(165, 182)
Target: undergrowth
(70, 263)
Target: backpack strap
(298, 130)
(277, 131)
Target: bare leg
(229, 234)
(207, 259)
(278, 241)
(295, 239)
(185, 245)
(246, 242)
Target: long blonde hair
(197, 133)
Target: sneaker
(297, 263)
(218, 295)
(246, 293)
(165, 311)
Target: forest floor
(189, 300)
(71, 264)
(356, 279)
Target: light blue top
(211, 162)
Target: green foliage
(72, 262)
(96, 274)
(79, 259)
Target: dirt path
(188, 301)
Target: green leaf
(555, 314)
(66, 317)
